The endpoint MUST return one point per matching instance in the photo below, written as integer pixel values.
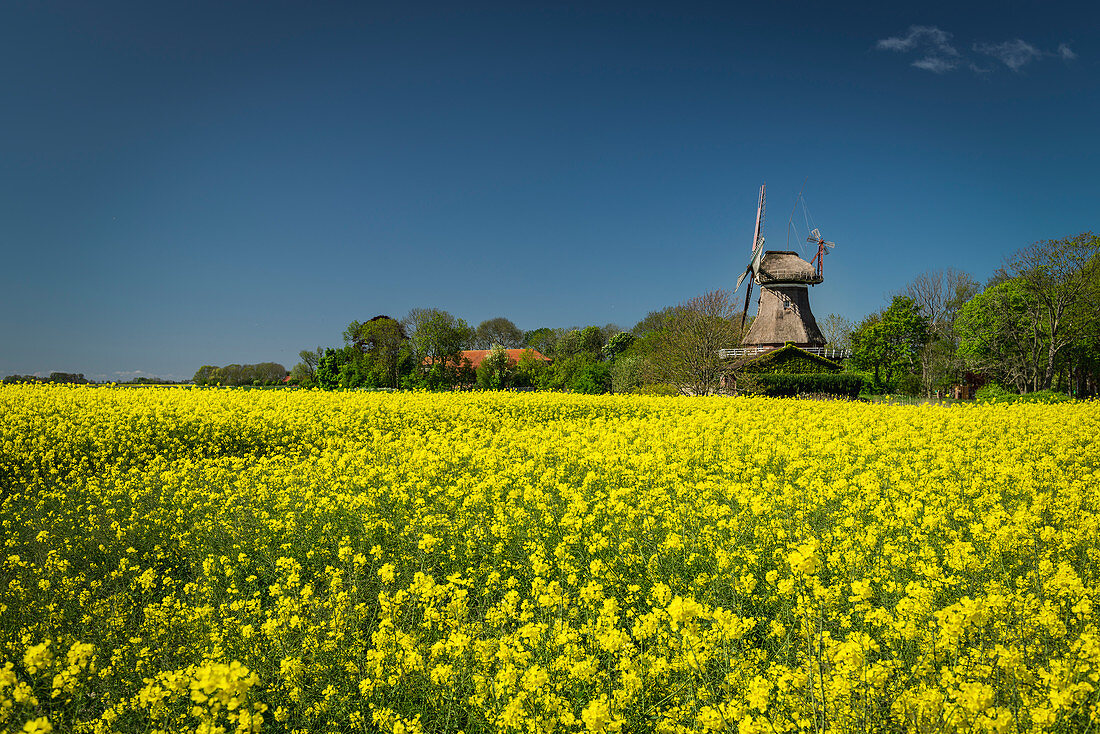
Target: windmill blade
(739, 280)
(761, 204)
(757, 254)
(754, 264)
(815, 234)
(745, 311)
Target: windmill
(819, 258)
(783, 315)
(753, 267)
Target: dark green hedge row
(791, 361)
(786, 385)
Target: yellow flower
(38, 657)
(684, 610)
(804, 559)
(597, 716)
(41, 725)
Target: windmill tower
(783, 314)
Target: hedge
(787, 385)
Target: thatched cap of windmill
(783, 266)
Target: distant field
(207, 560)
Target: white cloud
(933, 44)
(934, 63)
(935, 52)
(1013, 54)
(922, 37)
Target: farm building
(476, 356)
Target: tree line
(670, 350)
(78, 378)
(1033, 326)
(237, 375)
(70, 378)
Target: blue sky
(210, 182)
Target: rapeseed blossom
(211, 560)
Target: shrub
(992, 392)
(789, 385)
(594, 379)
(495, 371)
(627, 373)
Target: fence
(828, 353)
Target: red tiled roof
(477, 355)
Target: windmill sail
(754, 263)
(757, 243)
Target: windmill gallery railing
(753, 351)
(783, 275)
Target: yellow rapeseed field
(221, 560)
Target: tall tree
(999, 335)
(436, 334)
(889, 343)
(938, 295)
(652, 322)
(328, 369)
(685, 350)
(309, 362)
(497, 332)
(1063, 276)
(381, 351)
(617, 344)
(837, 330)
(543, 340)
(495, 371)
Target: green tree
(529, 370)
(495, 370)
(593, 379)
(628, 372)
(437, 336)
(618, 344)
(592, 339)
(837, 330)
(889, 344)
(1063, 278)
(653, 322)
(684, 353)
(205, 375)
(304, 372)
(544, 340)
(938, 295)
(301, 375)
(498, 332)
(268, 373)
(570, 344)
(1037, 320)
(999, 335)
(327, 374)
(381, 354)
